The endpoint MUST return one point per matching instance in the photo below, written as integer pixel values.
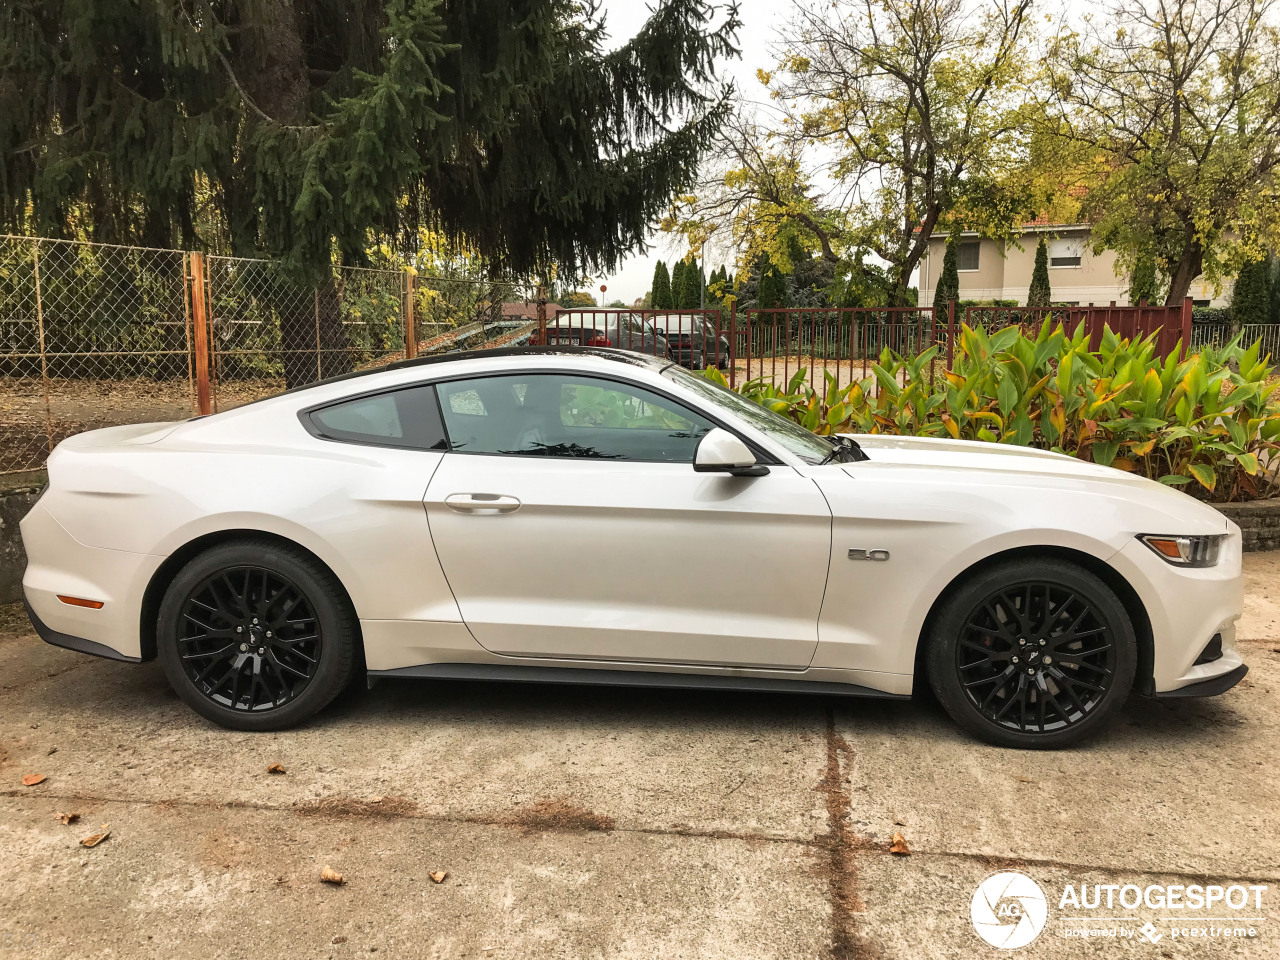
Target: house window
(1066, 252)
(967, 256)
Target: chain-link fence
(91, 335)
(95, 335)
(270, 330)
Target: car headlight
(1186, 551)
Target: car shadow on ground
(140, 694)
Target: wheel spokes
(224, 647)
(1004, 645)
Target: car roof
(656, 364)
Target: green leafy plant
(1207, 422)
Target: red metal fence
(844, 342)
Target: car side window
(566, 415)
(408, 418)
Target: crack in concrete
(32, 681)
(841, 842)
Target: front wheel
(256, 636)
(1032, 654)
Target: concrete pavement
(575, 822)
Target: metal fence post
(542, 314)
(410, 330)
(733, 342)
(44, 357)
(1185, 331)
(204, 405)
(951, 333)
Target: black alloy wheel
(1032, 654)
(249, 639)
(256, 636)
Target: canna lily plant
(1207, 422)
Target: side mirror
(719, 451)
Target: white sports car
(595, 516)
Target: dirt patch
(554, 815)
(13, 620)
(351, 808)
(841, 847)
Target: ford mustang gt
(597, 516)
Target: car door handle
(481, 503)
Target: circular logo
(1008, 910)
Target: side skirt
(627, 678)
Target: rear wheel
(256, 636)
(1032, 654)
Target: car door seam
(831, 537)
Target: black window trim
(762, 455)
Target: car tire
(1033, 654)
(255, 635)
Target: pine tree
(1144, 282)
(677, 283)
(662, 287)
(1251, 296)
(772, 291)
(294, 130)
(1039, 296)
(689, 296)
(948, 287)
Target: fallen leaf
(438, 876)
(97, 838)
(67, 818)
(330, 875)
(31, 779)
(1025, 780)
(899, 845)
(275, 768)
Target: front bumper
(1187, 607)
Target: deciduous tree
(1179, 102)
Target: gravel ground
(573, 822)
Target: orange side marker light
(81, 602)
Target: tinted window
(967, 256)
(552, 415)
(402, 418)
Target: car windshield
(795, 438)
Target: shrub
(1187, 422)
(1039, 295)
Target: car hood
(1005, 464)
(980, 455)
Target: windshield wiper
(845, 449)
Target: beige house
(991, 270)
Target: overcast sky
(623, 18)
